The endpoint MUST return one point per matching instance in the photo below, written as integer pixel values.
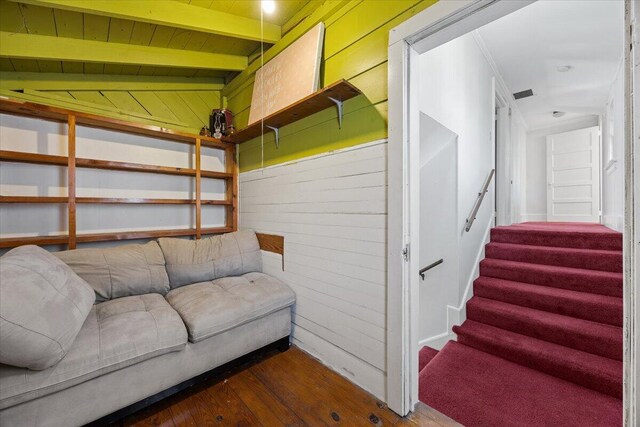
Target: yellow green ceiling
(72, 36)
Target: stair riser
(607, 345)
(578, 281)
(548, 256)
(425, 356)
(611, 242)
(601, 311)
(591, 377)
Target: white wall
(44, 137)
(535, 182)
(613, 157)
(457, 90)
(332, 211)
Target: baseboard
(437, 341)
(533, 217)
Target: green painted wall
(355, 49)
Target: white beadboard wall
(332, 212)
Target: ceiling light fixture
(558, 114)
(268, 6)
(564, 68)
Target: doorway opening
(497, 134)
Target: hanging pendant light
(268, 6)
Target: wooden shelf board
(47, 159)
(10, 242)
(216, 174)
(32, 109)
(314, 103)
(108, 200)
(33, 199)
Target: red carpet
(542, 343)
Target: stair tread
(590, 370)
(477, 388)
(579, 279)
(584, 305)
(552, 268)
(580, 334)
(558, 249)
(568, 235)
(591, 259)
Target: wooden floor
(280, 389)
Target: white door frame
(503, 158)
(432, 27)
(631, 297)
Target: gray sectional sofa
(88, 332)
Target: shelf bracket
(277, 132)
(339, 105)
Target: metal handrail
(429, 267)
(479, 200)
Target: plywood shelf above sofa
(330, 96)
(60, 239)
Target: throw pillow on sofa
(120, 271)
(193, 261)
(43, 305)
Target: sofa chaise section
(116, 334)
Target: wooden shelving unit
(74, 118)
(331, 96)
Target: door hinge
(405, 252)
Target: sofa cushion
(193, 261)
(120, 271)
(43, 305)
(210, 308)
(116, 334)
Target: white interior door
(573, 176)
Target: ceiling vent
(524, 94)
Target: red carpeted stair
(542, 343)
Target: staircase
(542, 343)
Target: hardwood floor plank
(303, 402)
(424, 415)
(279, 389)
(261, 401)
(361, 402)
(158, 415)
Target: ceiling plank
(68, 81)
(172, 14)
(29, 46)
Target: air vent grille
(523, 94)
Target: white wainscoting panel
(331, 209)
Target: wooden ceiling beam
(10, 80)
(32, 46)
(172, 14)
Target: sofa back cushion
(120, 271)
(193, 261)
(43, 305)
